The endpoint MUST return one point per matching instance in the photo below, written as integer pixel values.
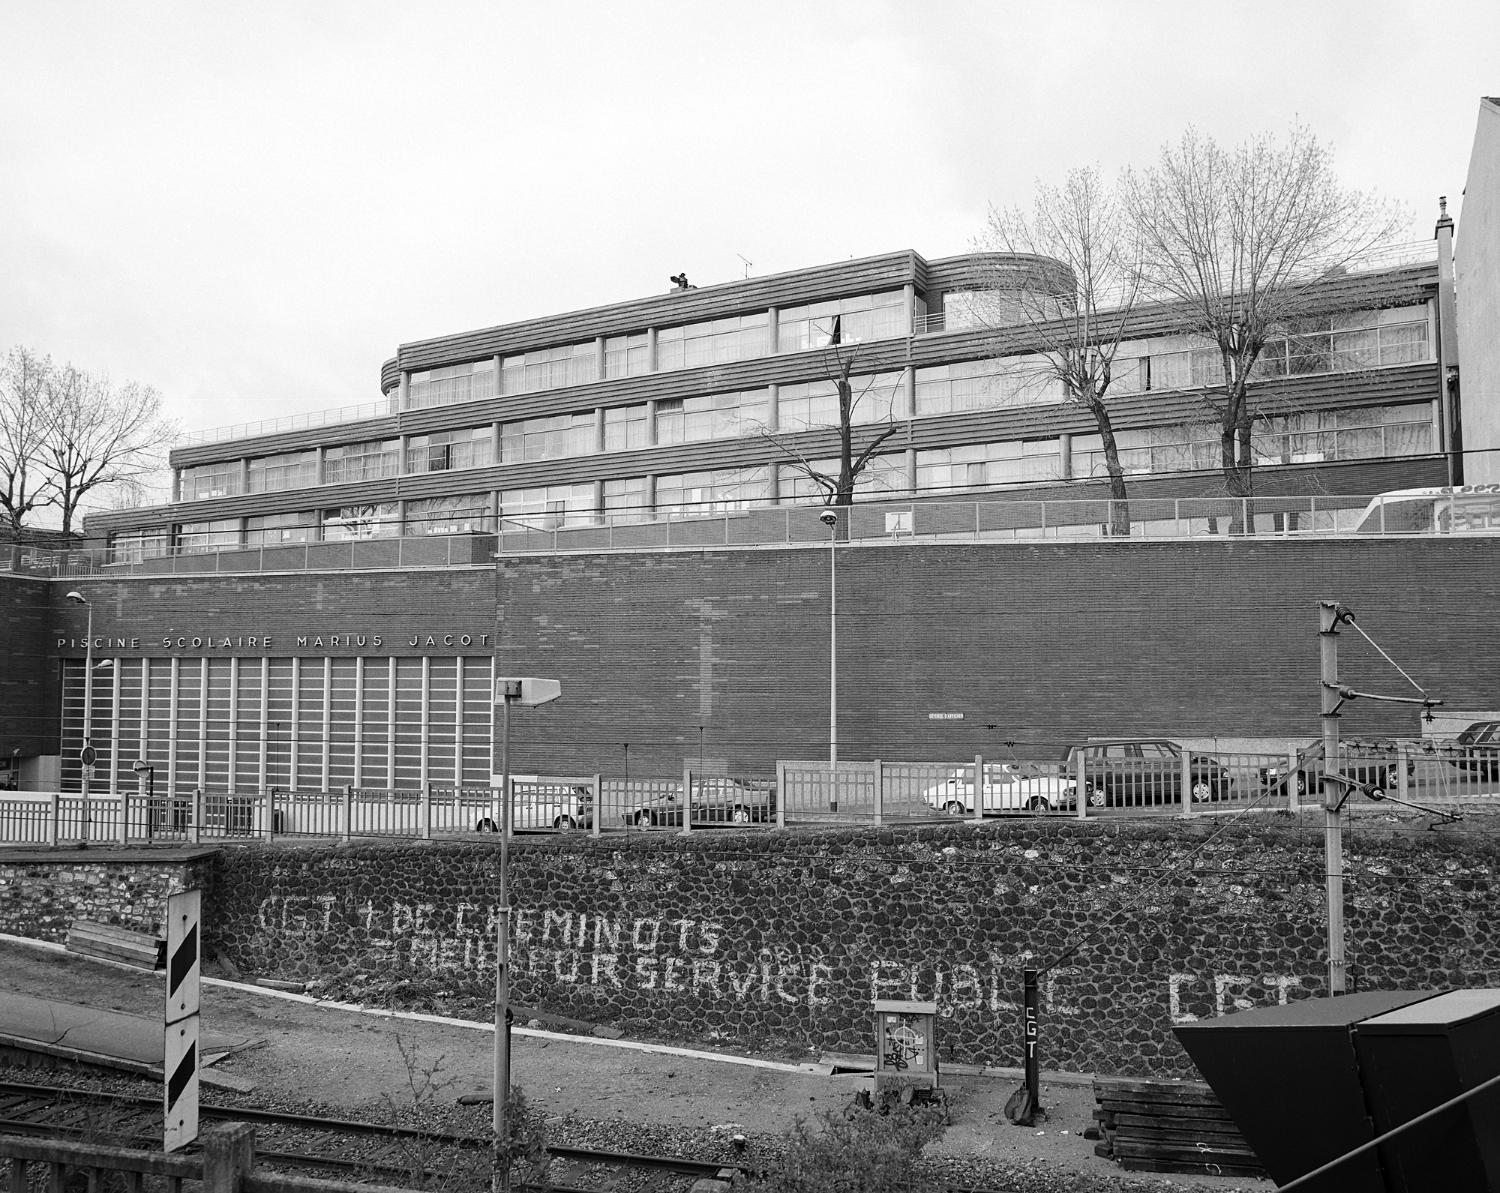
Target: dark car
(1479, 749)
(1134, 771)
(715, 801)
(1370, 766)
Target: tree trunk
(1119, 506)
(1237, 459)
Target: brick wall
(726, 653)
(28, 676)
(1038, 645)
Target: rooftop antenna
(747, 261)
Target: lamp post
(831, 520)
(86, 755)
(141, 767)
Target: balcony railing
(997, 520)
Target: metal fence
(998, 519)
(1115, 779)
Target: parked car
(1007, 787)
(1479, 749)
(1369, 766)
(535, 804)
(1144, 770)
(716, 800)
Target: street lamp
(142, 767)
(831, 520)
(86, 755)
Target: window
(372, 460)
(272, 474)
(964, 309)
(714, 491)
(625, 500)
(459, 513)
(221, 479)
(547, 438)
(713, 416)
(625, 427)
(452, 384)
(862, 317)
(882, 476)
(473, 447)
(982, 464)
(987, 384)
(713, 342)
(347, 522)
(1192, 368)
(221, 534)
(627, 356)
(132, 546)
(815, 404)
(549, 368)
(1171, 448)
(268, 530)
(547, 507)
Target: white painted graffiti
(1230, 992)
(685, 955)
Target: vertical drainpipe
(1448, 346)
(909, 386)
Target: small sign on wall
(945, 716)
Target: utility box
(905, 1048)
(1311, 1081)
(1420, 1056)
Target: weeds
(856, 1151)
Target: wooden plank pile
(1169, 1126)
(116, 944)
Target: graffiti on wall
(689, 956)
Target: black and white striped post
(180, 1033)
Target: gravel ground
(321, 1060)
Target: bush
(857, 1151)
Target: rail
(1150, 519)
(1117, 778)
(227, 1165)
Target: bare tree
(66, 434)
(837, 488)
(99, 435)
(1236, 242)
(1072, 324)
(23, 428)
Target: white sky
(251, 205)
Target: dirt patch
(363, 1064)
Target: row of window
(1351, 342)
(225, 724)
(687, 346)
(1313, 436)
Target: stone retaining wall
(42, 893)
(750, 940)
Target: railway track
(328, 1145)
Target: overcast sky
(249, 206)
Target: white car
(1008, 787)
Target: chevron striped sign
(180, 1037)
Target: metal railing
(290, 422)
(1116, 780)
(995, 520)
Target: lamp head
(77, 596)
(828, 518)
(140, 766)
